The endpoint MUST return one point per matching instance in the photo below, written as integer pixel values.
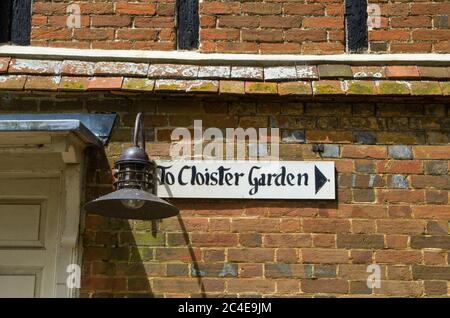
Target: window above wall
(187, 24)
(356, 26)
(15, 21)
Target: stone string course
(291, 80)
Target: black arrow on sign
(320, 179)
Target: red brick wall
(392, 207)
(270, 26)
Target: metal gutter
(92, 128)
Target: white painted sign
(246, 179)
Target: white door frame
(52, 155)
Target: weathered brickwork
(392, 157)
(265, 26)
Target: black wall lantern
(134, 197)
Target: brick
(202, 86)
(247, 72)
(435, 288)
(138, 84)
(325, 87)
(402, 72)
(41, 67)
(325, 256)
(433, 72)
(334, 286)
(179, 254)
(430, 242)
(288, 286)
(439, 182)
(12, 82)
(214, 239)
(335, 71)
(399, 288)
(172, 71)
(401, 226)
(286, 255)
(80, 68)
(175, 285)
(399, 166)
(359, 287)
(105, 83)
(238, 22)
(367, 72)
(261, 88)
(171, 85)
(436, 197)
(249, 285)
(425, 88)
(354, 151)
(307, 72)
(323, 23)
(436, 167)
(361, 256)
(280, 73)
(395, 241)
(400, 152)
(325, 271)
(431, 272)
(361, 88)
(287, 240)
(135, 9)
(4, 63)
(303, 9)
(270, 36)
(231, 87)
(257, 255)
(398, 257)
(294, 88)
(293, 136)
(393, 88)
(45, 83)
(431, 152)
(431, 211)
(281, 270)
(360, 241)
(434, 258)
(120, 68)
(73, 83)
(110, 21)
(326, 225)
(252, 225)
(398, 181)
(251, 270)
(401, 196)
(257, 8)
(364, 137)
(214, 72)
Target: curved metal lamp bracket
(139, 125)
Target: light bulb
(133, 204)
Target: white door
(28, 236)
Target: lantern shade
(150, 207)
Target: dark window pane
(356, 25)
(187, 24)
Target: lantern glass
(132, 203)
